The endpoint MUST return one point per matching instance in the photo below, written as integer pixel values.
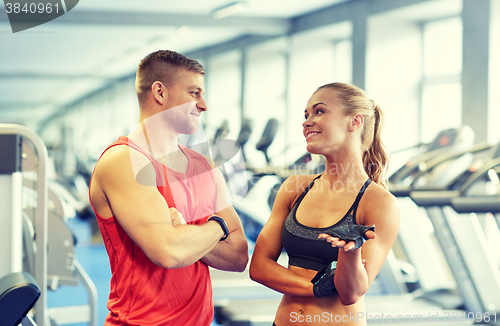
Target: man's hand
(176, 217)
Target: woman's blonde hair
(355, 101)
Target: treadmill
(471, 200)
(461, 236)
(437, 167)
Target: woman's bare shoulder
(378, 203)
(294, 185)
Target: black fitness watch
(222, 224)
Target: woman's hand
(349, 237)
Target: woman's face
(326, 126)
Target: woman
(316, 217)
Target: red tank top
(141, 292)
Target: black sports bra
(301, 242)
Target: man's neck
(155, 138)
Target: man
(159, 255)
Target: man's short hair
(162, 66)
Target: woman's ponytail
(376, 159)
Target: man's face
(185, 102)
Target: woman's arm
(263, 267)
(352, 277)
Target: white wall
(494, 74)
(265, 84)
(223, 91)
(393, 77)
(96, 121)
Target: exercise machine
(11, 190)
(34, 238)
(436, 167)
(18, 294)
(461, 236)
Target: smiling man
(162, 210)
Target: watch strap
(222, 224)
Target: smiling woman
(353, 101)
(323, 221)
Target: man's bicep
(137, 205)
(140, 209)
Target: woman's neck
(344, 170)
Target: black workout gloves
(324, 285)
(323, 281)
(356, 233)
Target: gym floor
(93, 258)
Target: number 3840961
(31, 8)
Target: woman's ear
(356, 122)
(159, 92)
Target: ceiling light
(229, 9)
(183, 30)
